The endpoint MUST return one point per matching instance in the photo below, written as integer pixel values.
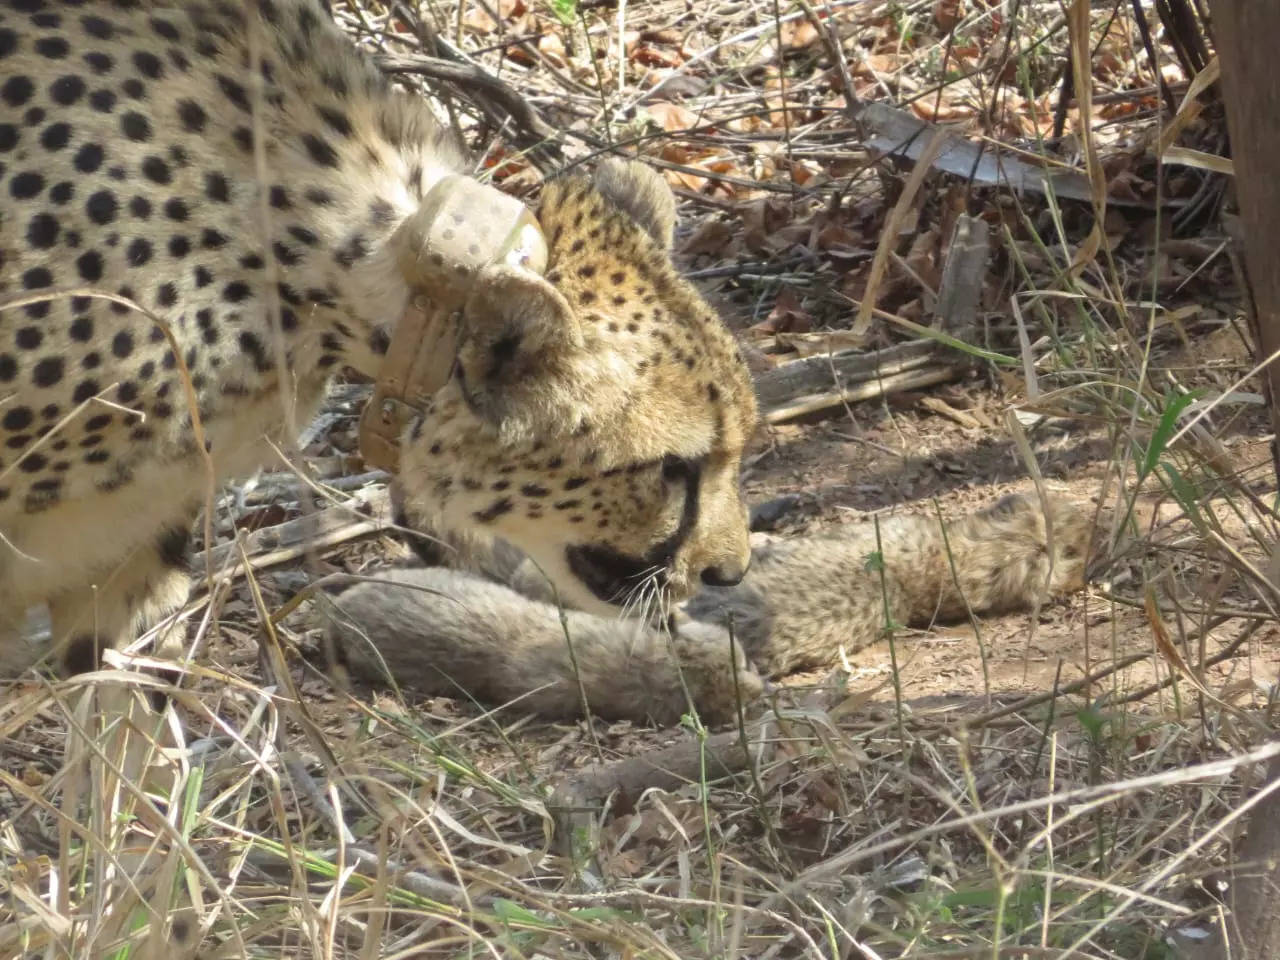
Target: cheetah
(208, 208)
(453, 632)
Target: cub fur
(804, 598)
(802, 601)
(448, 633)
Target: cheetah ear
(641, 193)
(518, 342)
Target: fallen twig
(577, 798)
(796, 378)
(871, 386)
(477, 78)
(943, 409)
(960, 292)
(369, 511)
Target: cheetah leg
(150, 585)
(128, 729)
(21, 646)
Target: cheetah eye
(675, 468)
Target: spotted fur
(212, 193)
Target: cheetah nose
(724, 575)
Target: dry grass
(284, 818)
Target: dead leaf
(937, 109)
(922, 258)
(798, 34)
(802, 173)
(874, 65)
(667, 36)
(711, 237)
(762, 219)
(947, 13)
(651, 56)
(627, 864)
(685, 180)
(822, 342)
(552, 47)
(478, 21)
(788, 315)
(834, 236)
(672, 117)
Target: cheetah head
(596, 417)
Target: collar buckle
(460, 228)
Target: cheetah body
(208, 202)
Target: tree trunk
(1252, 928)
(1246, 33)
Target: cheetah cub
(450, 632)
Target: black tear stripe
(501, 353)
(661, 553)
(611, 575)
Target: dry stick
(442, 893)
(452, 898)
(831, 40)
(960, 290)
(416, 882)
(893, 224)
(820, 373)
(335, 520)
(895, 383)
(943, 409)
(476, 77)
(1145, 32)
(324, 541)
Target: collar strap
(461, 227)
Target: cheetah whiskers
(635, 602)
(647, 598)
